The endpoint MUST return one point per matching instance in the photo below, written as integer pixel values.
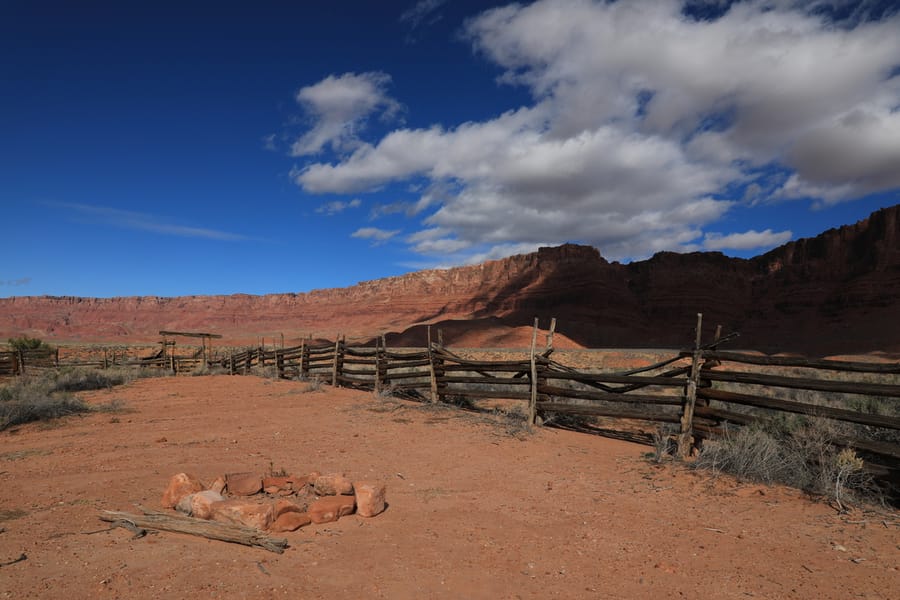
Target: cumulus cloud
(338, 206)
(748, 240)
(339, 107)
(378, 236)
(646, 115)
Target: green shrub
(26, 343)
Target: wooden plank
(606, 411)
(506, 395)
(787, 361)
(846, 387)
(610, 397)
(406, 364)
(642, 380)
(485, 380)
(838, 414)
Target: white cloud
(748, 240)
(641, 122)
(338, 206)
(378, 236)
(339, 107)
(424, 12)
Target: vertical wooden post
(304, 360)
(550, 335)
(383, 375)
(532, 402)
(337, 352)
(690, 395)
(56, 358)
(105, 358)
(433, 370)
(377, 369)
(231, 363)
(279, 364)
(441, 338)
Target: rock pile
(276, 504)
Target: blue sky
(230, 147)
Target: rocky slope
(837, 292)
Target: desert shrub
(79, 379)
(664, 444)
(34, 399)
(26, 343)
(803, 457)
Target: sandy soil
(476, 510)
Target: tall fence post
(383, 364)
(231, 363)
(338, 361)
(532, 401)
(377, 368)
(279, 363)
(304, 360)
(690, 395)
(434, 369)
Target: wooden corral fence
(697, 393)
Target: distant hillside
(837, 292)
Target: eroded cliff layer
(837, 292)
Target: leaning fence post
(532, 402)
(337, 361)
(690, 395)
(377, 369)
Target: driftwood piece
(208, 529)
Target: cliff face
(837, 292)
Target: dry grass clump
(804, 458)
(48, 396)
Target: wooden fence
(699, 392)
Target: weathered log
(485, 380)
(788, 361)
(606, 411)
(838, 414)
(212, 530)
(610, 397)
(611, 378)
(801, 383)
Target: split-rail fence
(696, 393)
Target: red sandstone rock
(243, 484)
(218, 485)
(242, 512)
(332, 484)
(369, 498)
(274, 485)
(180, 486)
(290, 521)
(201, 503)
(331, 508)
(281, 507)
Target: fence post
(690, 395)
(304, 360)
(532, 402)
(231, 363)
(279, 364)
(338, 362)
(377, 369)
(433, 370)
(383, 372)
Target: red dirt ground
(474, 511)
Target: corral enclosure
(691, 394)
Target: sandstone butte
(837, 292)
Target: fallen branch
(14, 561)
(208, 529)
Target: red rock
(243, 484)
(332, 484)
(180, 486)
(201, 503)
(218, 485)
(369, 498)
(285, 506)
(242, 512)
(276, 484)
(290, 521)
(331, 508)
(298, 482)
